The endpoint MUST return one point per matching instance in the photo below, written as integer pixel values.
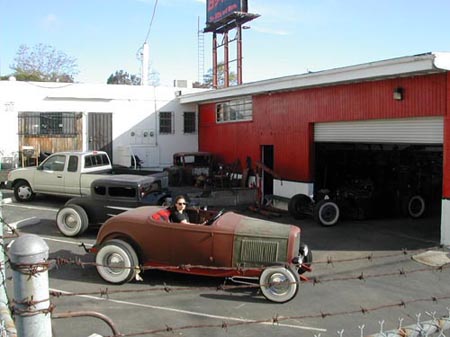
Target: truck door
(49, 176)
(72, 179)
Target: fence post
(5, 314)
(28, 255)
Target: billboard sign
(217, 10)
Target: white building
(142, 120)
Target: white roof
(92, 92)
(403, 66)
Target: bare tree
(122, 77)
(208, 77)
(43, 63)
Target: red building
(388, 121)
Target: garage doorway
(267, 158)
(381, 180)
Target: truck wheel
(116, 261)
(299, 206)
(326, 212)
(23, 191)
(414, 206)
(279, 284)
(72, 220)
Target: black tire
(326, 212)
(72, 220)
(299, 206)
(116, 261)
(279, 284)
(23, 191)
(414, 206)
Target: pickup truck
(64, 174)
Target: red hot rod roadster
(227, 245)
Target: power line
(151, 21)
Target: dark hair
(178, 197)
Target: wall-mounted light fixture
(398, 93)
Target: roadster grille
(259, 251)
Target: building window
(165, 122)
(235, 110)
(190, 122)
(48, 123)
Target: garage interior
(379, 180)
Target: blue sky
(290, 37)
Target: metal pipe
(239, 55)
(98, 315)
(214, 80)
(226, 65)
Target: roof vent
(182, 84)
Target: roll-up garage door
(428, 130)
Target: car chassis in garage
(359, 181)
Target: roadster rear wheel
(116, 261)
(72, 220)
(279, 284)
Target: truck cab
(62, 173)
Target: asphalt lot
(375, 275)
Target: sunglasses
(181, 203)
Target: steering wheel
(215, 217)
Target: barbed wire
(371, 256)
(277, 319)
(34, 269)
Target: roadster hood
(252, 227)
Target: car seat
(162, 215)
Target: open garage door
(381, 168)
(429, 130)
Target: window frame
(165, 119)
(48, 123)
(191, 117)
(235, 110)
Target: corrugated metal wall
(286, 119)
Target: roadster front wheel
(116, 261)
(279, 284)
